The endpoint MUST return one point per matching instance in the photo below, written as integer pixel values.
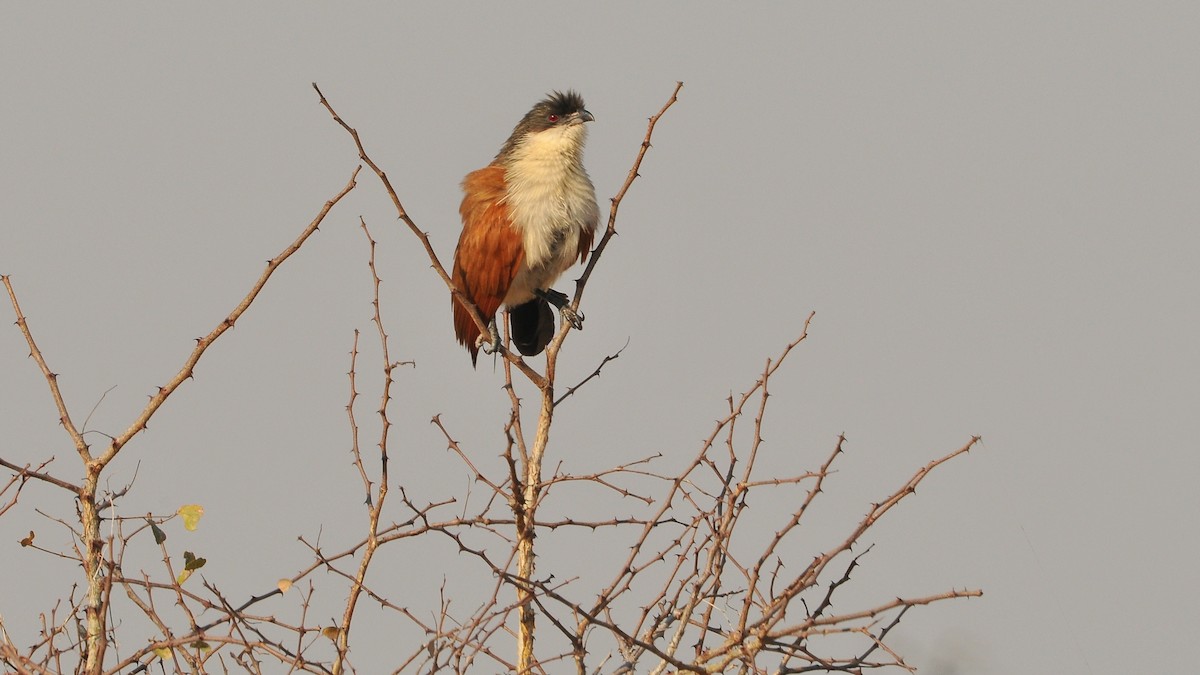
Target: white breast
(551, 201)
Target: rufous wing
(489, 252)
(585, 243)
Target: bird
(526, 217)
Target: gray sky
(991, 209)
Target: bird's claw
(563, 303)
(489, 343)
(572, 316)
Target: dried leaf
(331, 632)
(284, 585)
(28, 541)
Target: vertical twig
(372, 545)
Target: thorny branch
(688, 592)
(423, 237)
(98, 570)
(385, 425)
(611, 229)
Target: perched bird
(527, 217)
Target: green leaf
(159, 535)
(191, 562)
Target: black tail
(532, 326)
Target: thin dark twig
(25, 471)
(616, 201)
(595, 373)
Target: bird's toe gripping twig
(562, 302)
(488, 343)
(572, 316)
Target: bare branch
(64, 417)
(423, 237)
(372, 544)
(616, 201)
(202, 344)
(24, 473)
(594, 375)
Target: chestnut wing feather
(489, 252)
(585, 243)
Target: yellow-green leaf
(183, 576)
(284, 585)
(191, 515)
(28, 541)
(164, 653)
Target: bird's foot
(562, 302)
(489, 343)
(572, 316)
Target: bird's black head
(558, 109)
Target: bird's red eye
(552, 117)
